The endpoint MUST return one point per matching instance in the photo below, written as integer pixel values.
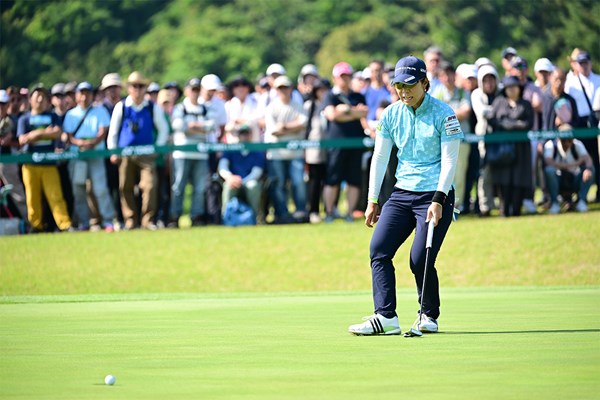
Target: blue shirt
(374, 97)
(95, 119)
(418, 136)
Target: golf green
(526, 342)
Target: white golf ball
(109, 380)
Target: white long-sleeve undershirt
(381, 157)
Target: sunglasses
(138, 86)
(400, 86)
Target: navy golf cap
(409, 70)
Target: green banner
(351, 143)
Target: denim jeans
(279, 172)
(195, 172)
(96, 173)
(553, 184)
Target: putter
(417, 331)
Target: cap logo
(410, 78)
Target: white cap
(282, 81)
(4, 97)
(481, 61)
(211, 82)
(543, 64)
(309, 69)
(275, 69)
(467, 70)
(366, 73)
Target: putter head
(413, 332)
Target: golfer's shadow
(520, 332)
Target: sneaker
(109, 228)
(529, 206)
(554, 208)
(427, 324)
(314, 218)
(329, 218)
(151, 226)
(581, 206)
(376, 325)
(349, 218)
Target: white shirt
(279, 113)
(573, 87)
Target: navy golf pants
(402, 214)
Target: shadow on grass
(520, 332)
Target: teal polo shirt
(418, 136)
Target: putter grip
(430, 227)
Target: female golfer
(427, 134)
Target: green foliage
(60, 40)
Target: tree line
(65, 40)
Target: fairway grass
(496, 343)
(527, 251)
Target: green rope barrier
(350, 143)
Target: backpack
(238, 213)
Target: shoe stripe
(377, 322)
(373, 326)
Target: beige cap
(112, 79)
(137, 77)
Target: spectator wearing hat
(9, 173)
(358, 83)
(316, 158)
(242, 172)
(481, 102)
(542, 69)
(285, 120)
(133, 123)
(87, 127)
(568, 170)
(111, 87)
(459, 100)
(58, 100)
(60, 106)
(507, 55)
(152, 92)
(38, 131)
(309, 74)
(584, 85)
(242, 109)
(346, 112)
(175, 91)
(216, 113)
(273, 72)
(532, 94)
(190, 126)
(510, 112)
(481, 61)
(466, 79)
(70, 88)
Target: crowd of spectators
(283, 185)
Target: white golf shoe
(376, 325)
(426, 325)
